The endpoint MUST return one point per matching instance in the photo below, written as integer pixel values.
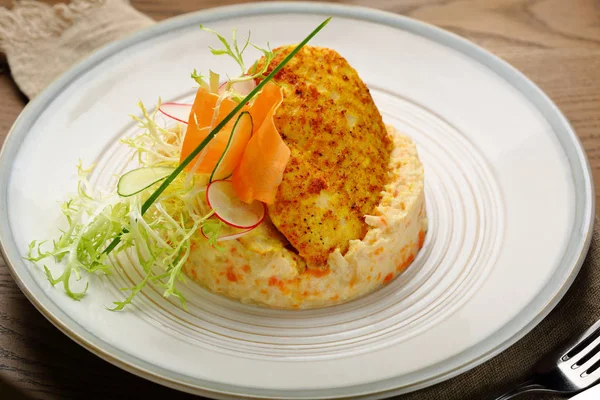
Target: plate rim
(117, 357)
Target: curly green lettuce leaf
(212, 229)
(160, 239)
(236, 51)
(199, 78)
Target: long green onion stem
(154, 196)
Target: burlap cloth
(41, 41)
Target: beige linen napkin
(42, 41)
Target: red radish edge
(233, 236)
(261, 219)
(204, 234)
(244, 227)
(174, 105)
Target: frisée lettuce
(157, 215)
(160, 239)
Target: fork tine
(582, 342)
(585, 354)
(590, 366)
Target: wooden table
(554, 42)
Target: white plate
(509, 192)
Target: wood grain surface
(556, 43)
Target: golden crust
(340, 151)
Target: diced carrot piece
(261, 168)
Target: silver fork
(567, 370)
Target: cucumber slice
(139, 179)
(220, 172)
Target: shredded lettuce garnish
(160, 239)
(212, 229)
(91, 219)
(236, 51)
(200, 79)
(157, 224)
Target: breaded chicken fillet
(340, 151)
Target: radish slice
(221, 197)
(232, 236)
(178, 111)
(139, 179)
(242, 88)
